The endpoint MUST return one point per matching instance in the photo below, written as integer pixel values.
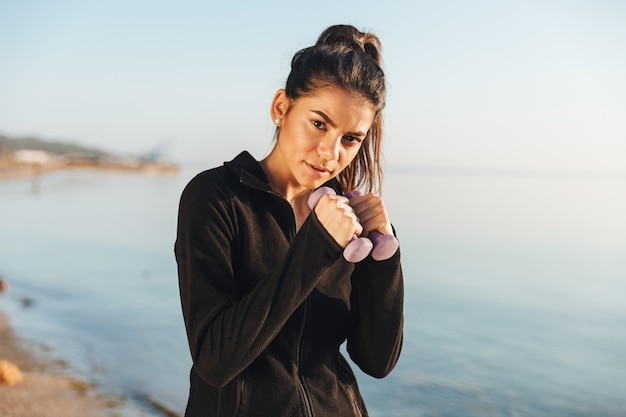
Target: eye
(353, 140)
(319, 124)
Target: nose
(328, 148)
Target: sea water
(515, 288)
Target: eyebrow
(328, 120)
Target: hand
(372, 214)
(338, 218)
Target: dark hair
(347, 58)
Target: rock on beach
(9, 373)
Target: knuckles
(338, 217)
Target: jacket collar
(250, 172)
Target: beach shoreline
(50, 366)
(11, 168)
(45, 390)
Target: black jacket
(267, 308)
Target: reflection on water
(513, 295)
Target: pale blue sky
(533, 85)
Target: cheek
(300, 135)
(348, 155)
(292, 138)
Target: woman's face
(320, 133)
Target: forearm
(227, 333)
(375, 339)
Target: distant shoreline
(11, 168)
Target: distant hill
(52, 147)
(31, 156)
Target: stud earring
(277, 121)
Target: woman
(267, 297)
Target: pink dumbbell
(380, 246)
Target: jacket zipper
(261, 187)
(305, 396)
(271, 192)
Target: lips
(318, 169)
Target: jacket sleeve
(375, 337)
(226, 333)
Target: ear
(280, 106)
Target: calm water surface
(514, 290)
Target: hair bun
(366, 43)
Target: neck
(281, 182)
(296, 195)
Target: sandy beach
(45, 391)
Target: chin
(313, 184)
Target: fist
(338, 218)
(371, 212)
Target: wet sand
(45, 391)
